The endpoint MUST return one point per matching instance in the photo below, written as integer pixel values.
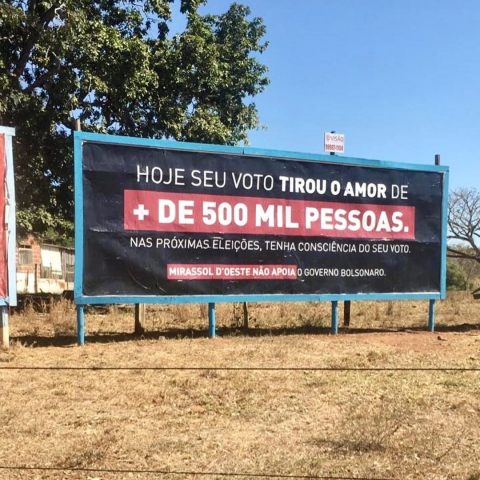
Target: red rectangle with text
(196, 271)
(199, 213)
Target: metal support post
(431, 316)
(346, 304)
(211, 320)
(431, 307)
(334, 329)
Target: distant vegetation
(463, 272)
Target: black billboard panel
(163, 221)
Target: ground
(384, 419)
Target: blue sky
(400, 79)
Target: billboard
(165, 221)
(8, 294)
(3, 225)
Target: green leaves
(114, 65)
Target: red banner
(200, 213)
(208, 271)
(3, 227)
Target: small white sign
(334, 142)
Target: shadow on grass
(171, 334)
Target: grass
(384, 424)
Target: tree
(464, 224)
(114, 65)
(462, 273)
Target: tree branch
(40, 24)
(461, 254)
(47, 75)
(464, 223)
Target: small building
(43, 268)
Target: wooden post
(332, 153)
(4, 329)
(140, 318)
(245, 315)
(346, 313)
(35, 279)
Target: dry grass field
(381, 424)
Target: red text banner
(200, 213)
(210, 271)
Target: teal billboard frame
(80, 299)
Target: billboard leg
(245, 315)
(211, 320)
(4, 330)
(431, 316)
(80, 325)
(346, 313)
(140, 318)
(334, 329)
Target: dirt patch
(421, 341)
